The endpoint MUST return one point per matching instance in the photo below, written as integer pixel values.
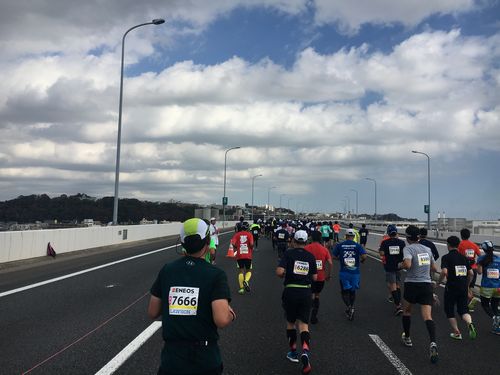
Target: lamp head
(158, 21)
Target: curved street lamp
(224, 198)
(253, 181)
(157, 21)
(356, 200)
(428, 187)
(375, 182)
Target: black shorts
(297, 304)
(454, 298)
(317, 286)
(215, 371)
(244, 263)
(363, 240)
(420, 293)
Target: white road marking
(130, 349)
(31, 286)
(402, 369)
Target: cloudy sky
(320, 94)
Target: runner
(489, 266)
(471, 251)
(356, 232)
(350, 254)
(325, 233)
(214, 235)
(324, 266)
(419, 262)
(336, 231)
(281, 238)
(424, 241)
(391, 250)
(363, 233)
(457, 271)
(298, 268)
(192, 297)
(255, 230)
(242, 242)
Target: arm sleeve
(444, 262)
(221, 287)
(406, 254)
(156, 288)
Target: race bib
(394, 250)
(319, 265)
(183, 300)
(350, 262)
(423, 259)
(469, 253)
(243, 248)
(281, 236)
(255, 231)
(460, 271)
(363, 234)
(300, 268)
(493, 273)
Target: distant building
(485, 227)
(206, 213)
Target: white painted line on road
(31, 286)
(130, 349)
(402, 369)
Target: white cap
(212, 219)
(300, 236)
(350, 232)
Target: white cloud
(351, 15)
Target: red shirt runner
(322, 256)
(470, 250)
(243, 245)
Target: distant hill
(31, 208)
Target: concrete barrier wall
(18, 245)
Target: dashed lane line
(400, 367)
(130, 349)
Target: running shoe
(347, 312)
(406, 340)
(433, 351)
(241, 291)
(306, 365)
(472, 331)
(398, 311)
(247, 286)
(351, 313)
(472, 304)
(456, 335)
(293, 356)
(390, 299)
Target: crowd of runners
(306, 251)
(198, 292)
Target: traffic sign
(224, 201)
(426, 209)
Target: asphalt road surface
(95, 310)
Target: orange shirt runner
(243, 245)
(470, 250)
(322, 256)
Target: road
(78, 324)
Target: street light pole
(157, 21)
(356, 200)
(375, 182)
(253, 180)
(224, 198)
(281, 209)
(348, 205)
(428, 187)
(268, 195)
